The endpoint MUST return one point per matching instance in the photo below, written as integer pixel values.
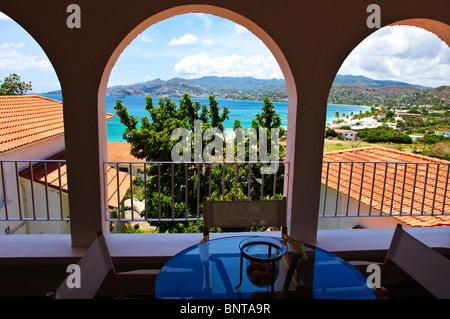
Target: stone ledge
(57, 249)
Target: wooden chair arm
(141, 273)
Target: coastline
(244, 110)
(353, 105)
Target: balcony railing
(354, 188)
(173, 192)
(170, 191)
(349, 189)
(33, 190)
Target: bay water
(242, 110)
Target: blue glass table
(216, 270)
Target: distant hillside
(247, 88)
(392, 95)
(346, 89)
(238, 83)
(360, 80)
(174, 87)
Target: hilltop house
(349, 135)
(32, 128)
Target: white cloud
(208, 42)
(240, 29)
(12, 59)
(401, 53)
(258, 66)
(144, 38)
(4, 16)
(188, 38)
(6, 45)
(207, 22)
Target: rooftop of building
(408, 191)
(27, 119)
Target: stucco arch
(224, 13)
(315, 37)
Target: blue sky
(195, 45)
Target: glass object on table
(261, 256)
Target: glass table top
(218, 269)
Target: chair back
(422, 263)
(239, 214)
(94, 266)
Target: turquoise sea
(245, 111)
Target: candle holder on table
(262, 255)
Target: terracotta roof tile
(26, 119)
(345, 131)
(411, 191)
(120, 152)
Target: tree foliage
(189, 183)
(13, 86)
(384, 134)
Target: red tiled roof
(54, 170)
(120, 152)
(26, 119)
(408, 189)
(345, 131)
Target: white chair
(242, 214)
(94, 266)
(426, 266)
(257, 213)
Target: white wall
(363, 220)
(40, 208)
(36, 151)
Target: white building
(32, 193)
(349, 135)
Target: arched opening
(139, 34)
(208, 9)
(390, 120)
(33, 183)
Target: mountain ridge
(250, 88)
(232, 86)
